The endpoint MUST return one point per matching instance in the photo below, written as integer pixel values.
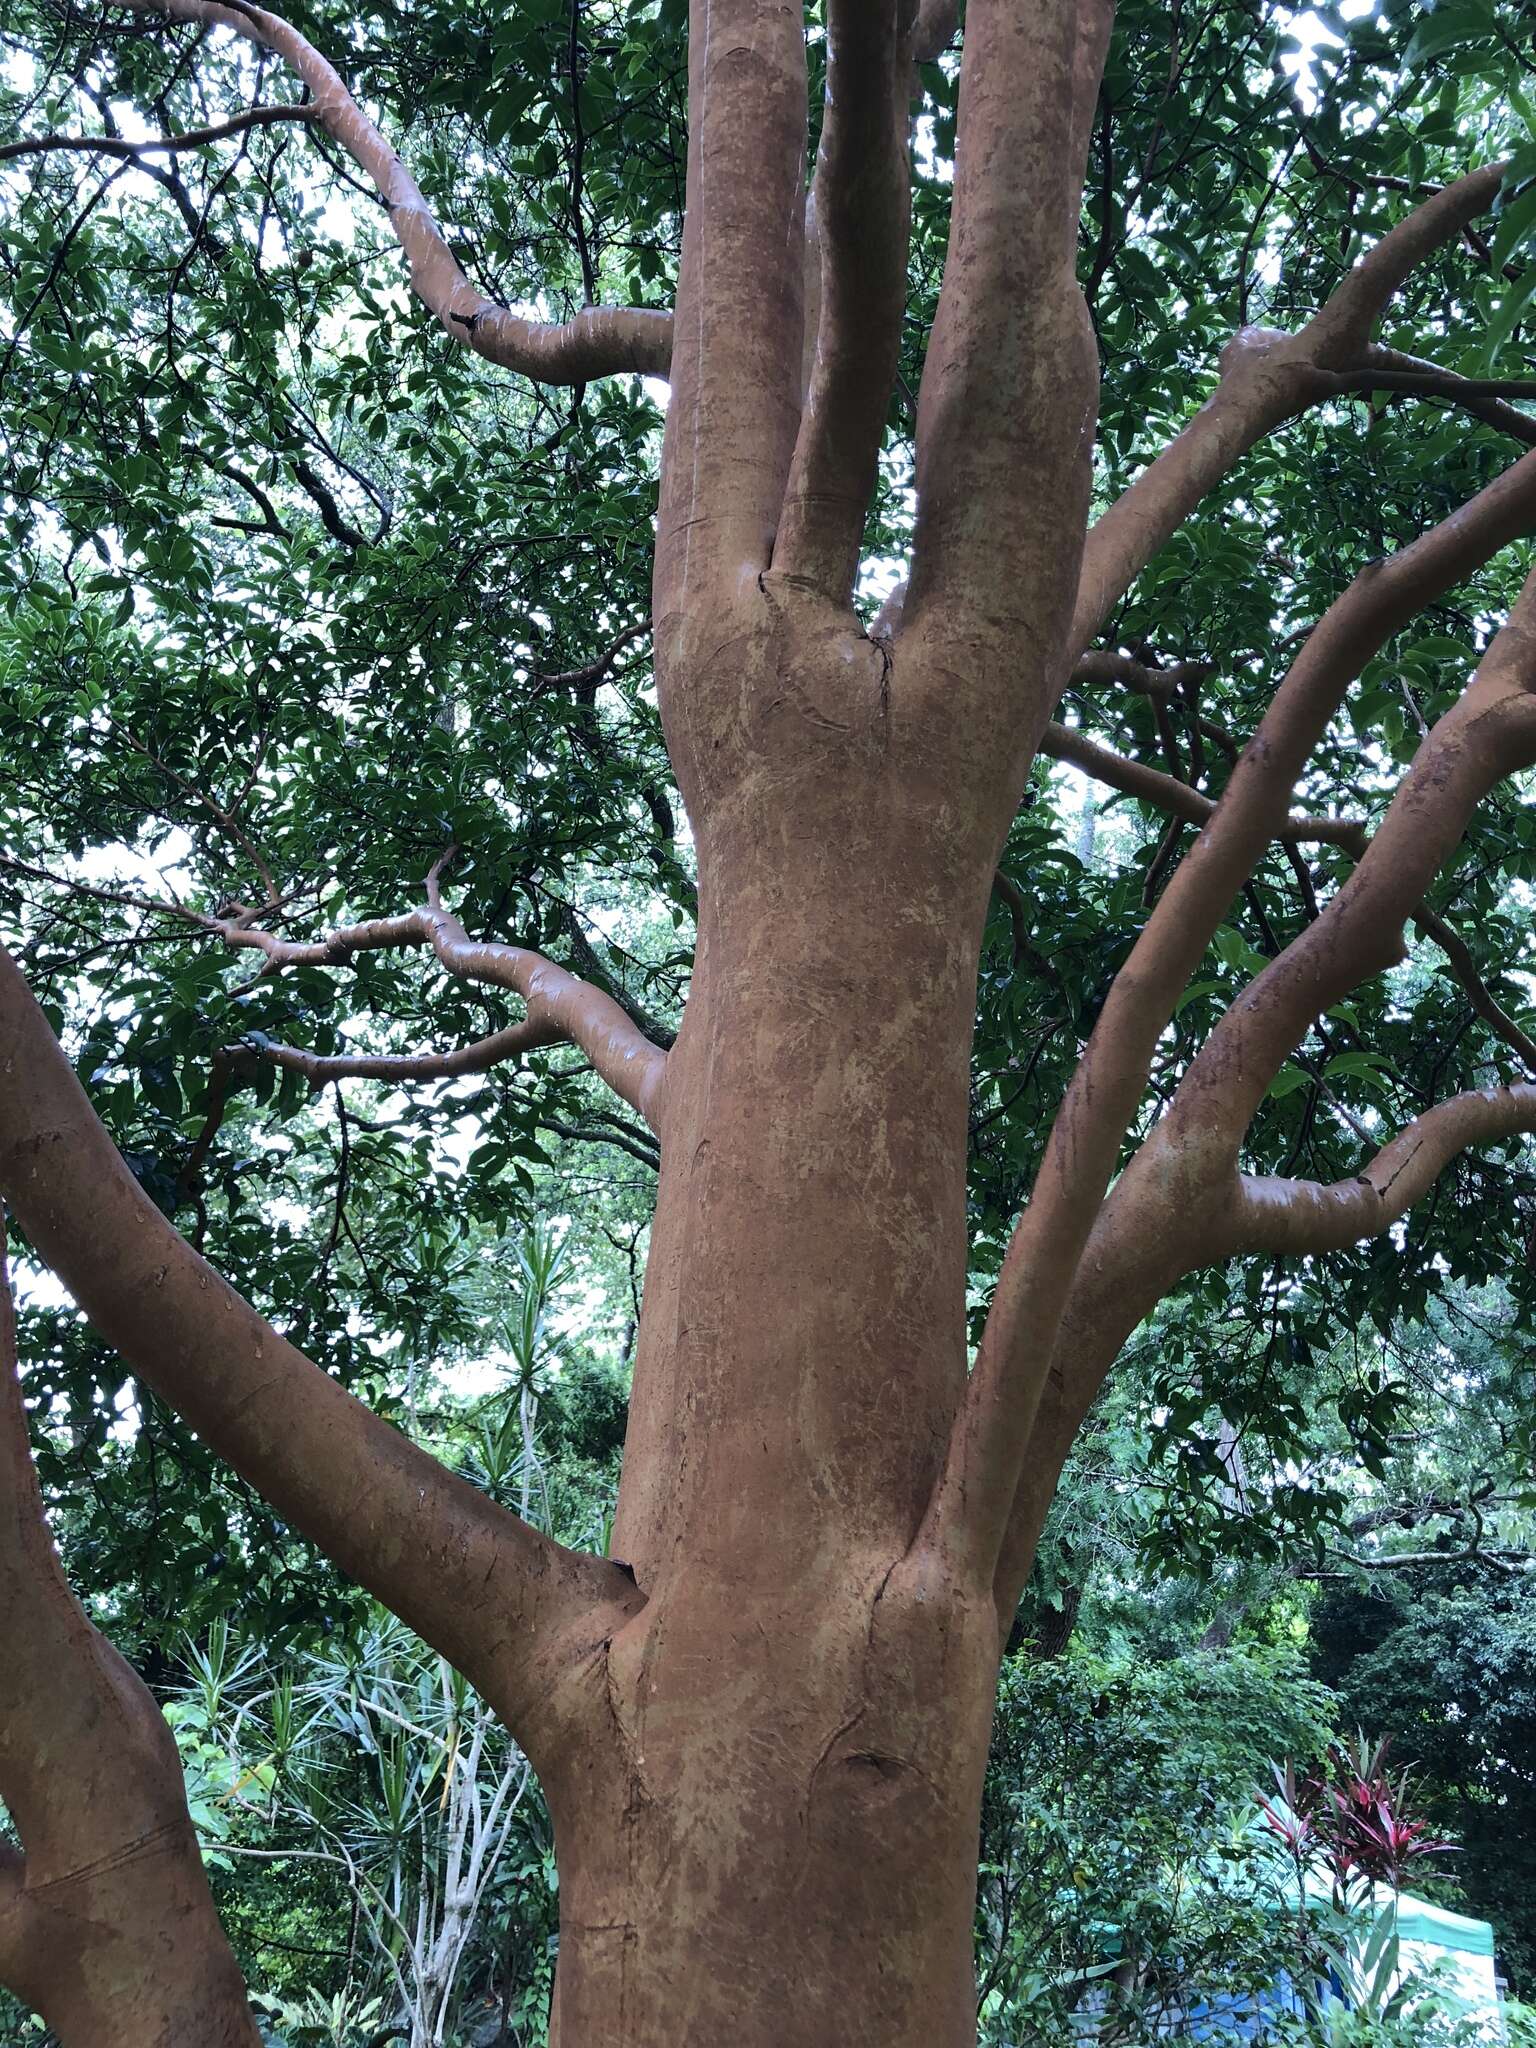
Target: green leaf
(1447, 26)
(1287, 1082)
(1517, 223)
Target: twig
(193, 138)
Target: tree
(1120, 1845)
(761, 1722)
(1453, 1666)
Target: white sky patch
(1314, 35)
(120, 865)
(131, 123)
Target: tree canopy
(298, 596)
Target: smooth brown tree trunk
(768, 1827)
(779, 1842)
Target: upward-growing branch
(863, 207)
(992, 1431)
(1181, 1202)
(1009, 391)
(1487, 735)
(735, 404)
(494, 1596)
(1266, 378)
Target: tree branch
(1487, 735)
(598, 342)
(1459, 391)
(1481, 997)
(1265, 379)
(1168, 793)
(1429, 382)
(1296, 1217)
(18, 1936)
(561, 1008)
(1171, 685)
(491, 1594)
(126, 898)
(226, 820)
(112, 1879)
(934, 29)
(1181, 1202)
(591, 673)
(192, 138)
(225, 1069)
(1407, 1560)
(476, 1058)
(622, 1139)
(661, 1035)
(735, 406)
(323, 498)
(1009, 390)
(862, 219)
(974, 1501)
(270, 521)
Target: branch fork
(561, 1009)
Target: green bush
(1434, 2021)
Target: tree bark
(768, 1832)
(106, 1923)
(777, 1841)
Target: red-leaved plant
(1349, 1820)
